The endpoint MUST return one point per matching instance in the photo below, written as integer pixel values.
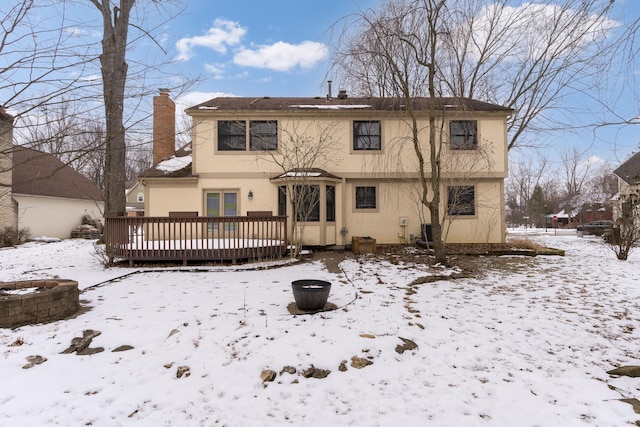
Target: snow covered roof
(176, 166)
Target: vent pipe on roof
(329, 89)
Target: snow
(527, 344)
(174, 163)
(298, 174)
(331, 107)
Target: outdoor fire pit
(37, 301)
(310, 295)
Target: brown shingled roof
(629, 171)
(373, 104)
(42, 174)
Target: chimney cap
(163, 90)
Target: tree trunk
(114, 76)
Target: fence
(182, 236)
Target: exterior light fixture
(250, 195)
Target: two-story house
(356, 154)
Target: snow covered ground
(528, 344)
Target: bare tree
(403, 41)
(41, 55)
(525, 56)
(114, 67)
(626, 233)
(302, 151)
(577, 168)
(41, 61)
(524, 177)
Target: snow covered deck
(191, 238)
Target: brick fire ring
(42, 301)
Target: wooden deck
(186, 237)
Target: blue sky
(259, 48)
(280, 48)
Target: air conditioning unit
(404, 221)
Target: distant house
(369, 186)
(628, 174)
(8, 207)
(52, 198)
(39, 193)
(135, 199)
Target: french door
(222, 203)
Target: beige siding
(396, 158)
(393, 171)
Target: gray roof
(42, 174)
(629, 171)
(368, 104)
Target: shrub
(10, 236)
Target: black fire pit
(310, 295)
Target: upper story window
(140, 197)
(366, 198)
(461, 200)
(233, 136)
(366, 135)
(463, 134)
(263, 135)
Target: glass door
(222, 203)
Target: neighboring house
(135, 199)
(369, 183)
(52, 198)
(8, 207)
(628, 174)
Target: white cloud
(219, 37)
(282, 56)
(537, 30)
(216, 70)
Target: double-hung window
(366, 135)
(461, 200)
(261, 135)
(463, 134)
(232, 135)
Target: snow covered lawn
(526, 344)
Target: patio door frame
(222, 207)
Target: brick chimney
(164, 126)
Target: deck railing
(190, 238)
